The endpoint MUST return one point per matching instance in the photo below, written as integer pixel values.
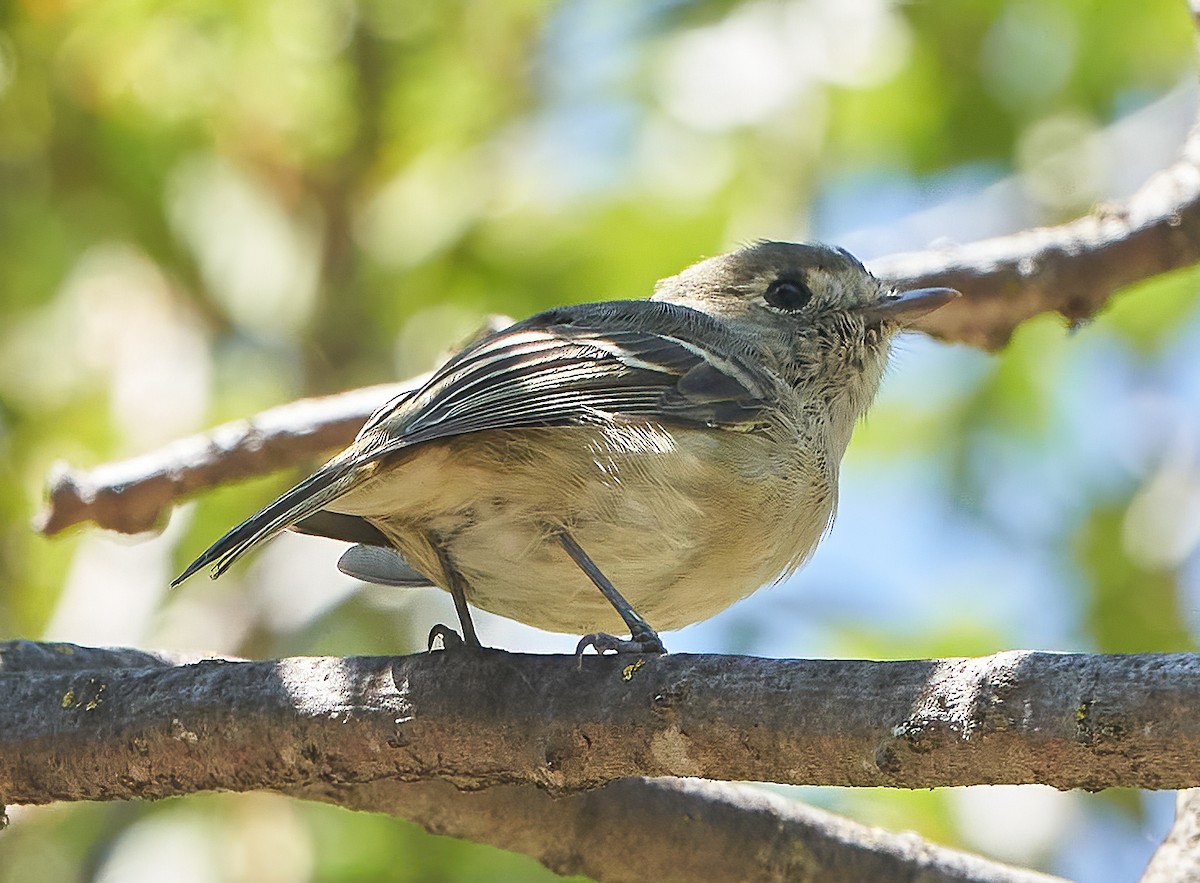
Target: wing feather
(625, 359)
(635, 360)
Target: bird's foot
(642, 641)
(450, 638)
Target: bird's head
(812, 310)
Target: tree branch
(483, 719)
(1072, 269)
(1178, 857)
(640, 829)
(402, 735)
(131, 496)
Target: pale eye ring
(788, 294)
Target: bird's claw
(643, 642)
(450, 638)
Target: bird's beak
(906, 307)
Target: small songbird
(675, 453)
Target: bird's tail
(322, 487)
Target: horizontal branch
(632, 829)
(493, 718)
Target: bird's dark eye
(788, 294)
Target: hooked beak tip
(906, 307)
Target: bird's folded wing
(578, 365)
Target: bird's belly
(682, 527)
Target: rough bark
(97, 732)
(93, 723)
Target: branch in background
(131, 496)
(1178, 857)
(672, 829)
(1071, 269)
(96, 732)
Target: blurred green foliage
(207, 208)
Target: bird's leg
(642, 638)
(458, 591)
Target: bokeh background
(209, 208)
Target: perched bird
(675, 453)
